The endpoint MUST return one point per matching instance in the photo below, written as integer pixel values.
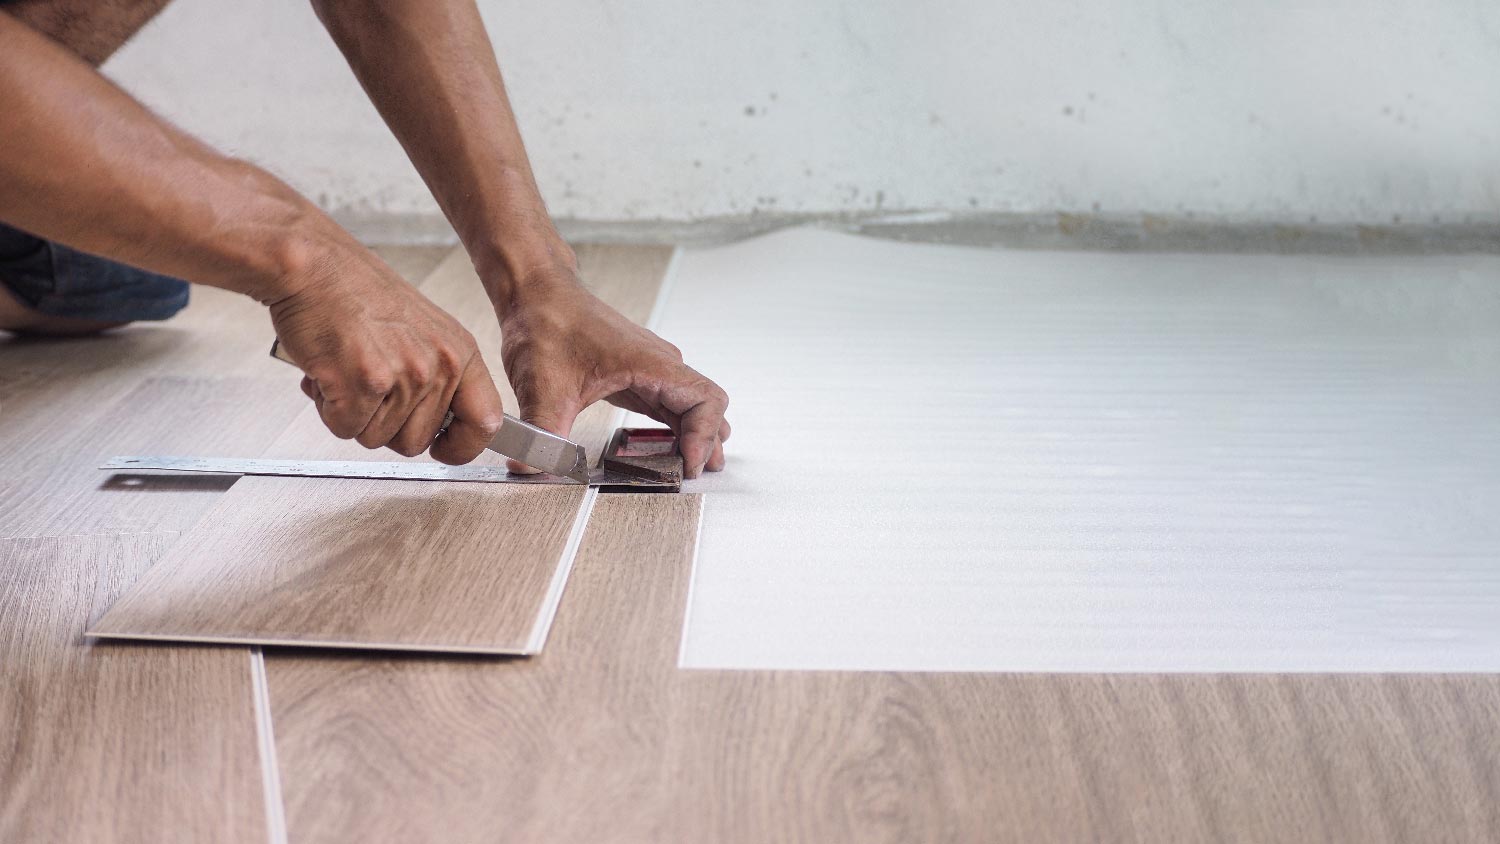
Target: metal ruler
(605, 479)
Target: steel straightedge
(605, 479)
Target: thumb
(550, 413)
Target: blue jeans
(52, 279)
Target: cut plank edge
(687, 606)
(270, 773)
(548, 611)
(302, 643)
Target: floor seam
(548, 610)
(266, 739)
(687, 607)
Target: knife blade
(517, 440)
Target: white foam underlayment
(958, 459)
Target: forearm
(430, 69)
(84, 164)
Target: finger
(424, 423)
(349, 400)
(716, 460)
(389, 418)
(477, 412)
(697, 439)
(346, 417)
(550, 413)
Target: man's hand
(430, 69)
(382, 362)
(564, 350)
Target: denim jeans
(58, 281)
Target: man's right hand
(383, 363)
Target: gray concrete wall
(1341, 113)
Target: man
(93, 186)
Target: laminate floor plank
(421, 749)
(54, 487)
(336, 562)
(115, 743)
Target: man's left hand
(564, 349)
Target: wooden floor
(602, 737)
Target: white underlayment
(961, 459)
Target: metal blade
(541, 449)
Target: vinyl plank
(50, 392)
(54, 487)
(115, 743)
(466, 750)
(335, 562)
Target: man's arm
(430, 69)
(84, 164)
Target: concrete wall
(1339, 111)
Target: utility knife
(518, 440)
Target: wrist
(280, 241)
(518, 269)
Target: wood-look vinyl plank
(601, 738)
(334, 562)
(115, 743)
(465, 750)
(50, 393)
(53, 486)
